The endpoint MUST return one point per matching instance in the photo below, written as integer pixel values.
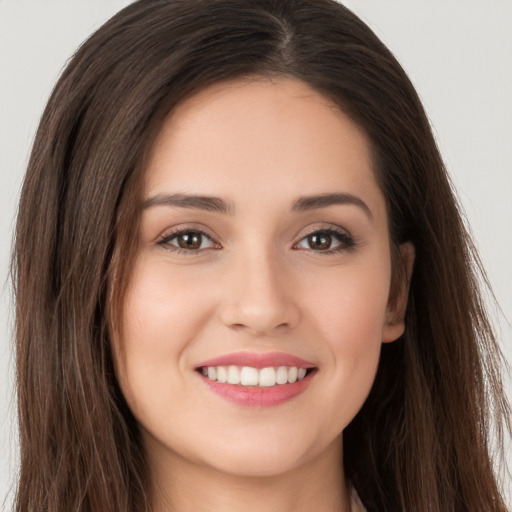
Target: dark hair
(421, 440)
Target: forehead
(276, 137)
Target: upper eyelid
(164, 241)
(204, 230)
(175, 231)
(343, 236)
(323, 226)
(346, 239)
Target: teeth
(248, 376)
(222, 374)
(267, 377)
(282, 375)
(233, 375)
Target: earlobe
(399, 291)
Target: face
(264, 255)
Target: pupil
(319, 241)
(189, 240)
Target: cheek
(162, 309)
(349, 304)
(161, 314)
(347, 314)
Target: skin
(256, 284)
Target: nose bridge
(258, 298)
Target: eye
(191, 240)
(326, 240)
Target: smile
(253, 379)
(249, 376)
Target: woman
(252, 285)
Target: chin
(258, 464)
(266, 456)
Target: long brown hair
(421, 441)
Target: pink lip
(255, 360)
(253, 396)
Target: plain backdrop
(458, 54)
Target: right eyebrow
(325, 200)
(207, 203)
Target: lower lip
(259, 396)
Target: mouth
(257, 380)
(248, 376)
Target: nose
(258, 298)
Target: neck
(180, 485)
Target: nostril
(259, 313)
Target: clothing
(355, 503)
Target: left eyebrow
(324, 200)
(211, 204)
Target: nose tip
(256, 320)
(260, 304)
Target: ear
(394, 325)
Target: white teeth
(233, 375)
(222, 374)
(267, 377)
(292, 374)
(282, 375)
(249, 376)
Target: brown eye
(327, 241)
(320, 241)
(188, 240)
(191, 240)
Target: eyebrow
(210, 204)
(324, 200)
(216, 204)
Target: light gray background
(458, 54)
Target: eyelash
(346, 241)
(166, 239)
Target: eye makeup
(193, 240)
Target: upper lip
(257, 360)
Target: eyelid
(163, 239)
(321, 226)
(347, 241)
